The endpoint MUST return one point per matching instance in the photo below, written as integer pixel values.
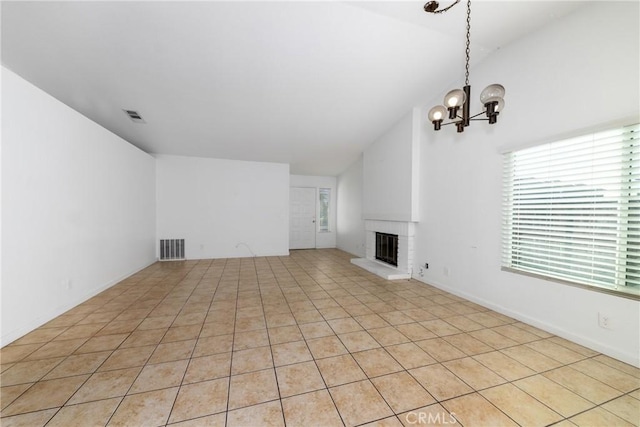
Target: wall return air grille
(172, 250)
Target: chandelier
(456, 102)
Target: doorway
(302, 218)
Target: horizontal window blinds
(571, 209)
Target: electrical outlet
(421, 272)
(604, 321)
(426, 265)
(445, 270)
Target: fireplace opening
(387, 248)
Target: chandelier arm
(474, 118)
(476, 115)
(448, 123)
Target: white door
(302, 218)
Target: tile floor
(304, 340)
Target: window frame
(629, 157)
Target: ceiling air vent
(134, 116)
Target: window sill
(610, 291)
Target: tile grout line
(335, 406)
(146, 362)
(175, 399)
(95, 372)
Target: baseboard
(355, 254)
(630, 358)
(11, 336)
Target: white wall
(351, 232)
(324, 239)
(223, 208)
(577, 73)
(391, 174)
(78, 208)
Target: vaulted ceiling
(305, 83)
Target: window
(571, 210)
(325, 197)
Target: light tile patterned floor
(304, 340)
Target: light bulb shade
(437, 113)
(455, 98)
(492, 91)
(499, 103)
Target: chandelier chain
(468, 49)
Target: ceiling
(305, 83)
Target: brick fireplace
(405, 232)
